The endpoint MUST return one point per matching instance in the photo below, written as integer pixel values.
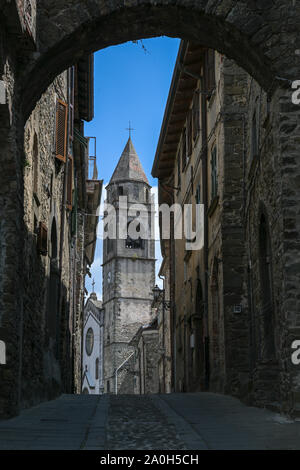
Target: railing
(117, 370)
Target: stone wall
(42, 361)
(40, 348)
(147, 362)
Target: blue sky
(130, 85)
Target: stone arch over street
(248, 32)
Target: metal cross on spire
(129, 129)
(93, 284)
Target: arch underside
(69, 30)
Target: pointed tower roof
(129, 166)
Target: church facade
(128, 270)
(92, 346)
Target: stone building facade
(128, 270)
(56, 200)
(218, 148)
(55, 234)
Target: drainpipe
(140, 375)
(63, 209)
(117, 370)
(144, 365)
(170, 192)
(62, 227)
(172, 304)
(163, 342)
(205, 202)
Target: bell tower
(128, 268)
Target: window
(209, 72)
(53, 287)
(120, 191)
(192, 179)
(178, 172)
(198, 195)
(42, 239)
(53, 253)
(97, 369)
(108, 241)
(190, 133)
(131, 243)
(108, 386)
(61, 130)
(147, 195)
(89, 341)
(214, 173)
(196, 116)
(109, 245)
(185, 268)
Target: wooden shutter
(70, 183)
(42, 239)
(196, 117)
(61, 130)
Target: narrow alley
(149, 226)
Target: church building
(128, 271)
(92, 350)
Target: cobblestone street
(191, 421)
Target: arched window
(199, 330)
(53, 289)
(97, 369)
(89, 341)
(53, 240)
(268, 344)
(202, 339)
(134, 243)
(215, 340)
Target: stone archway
(261, 36)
